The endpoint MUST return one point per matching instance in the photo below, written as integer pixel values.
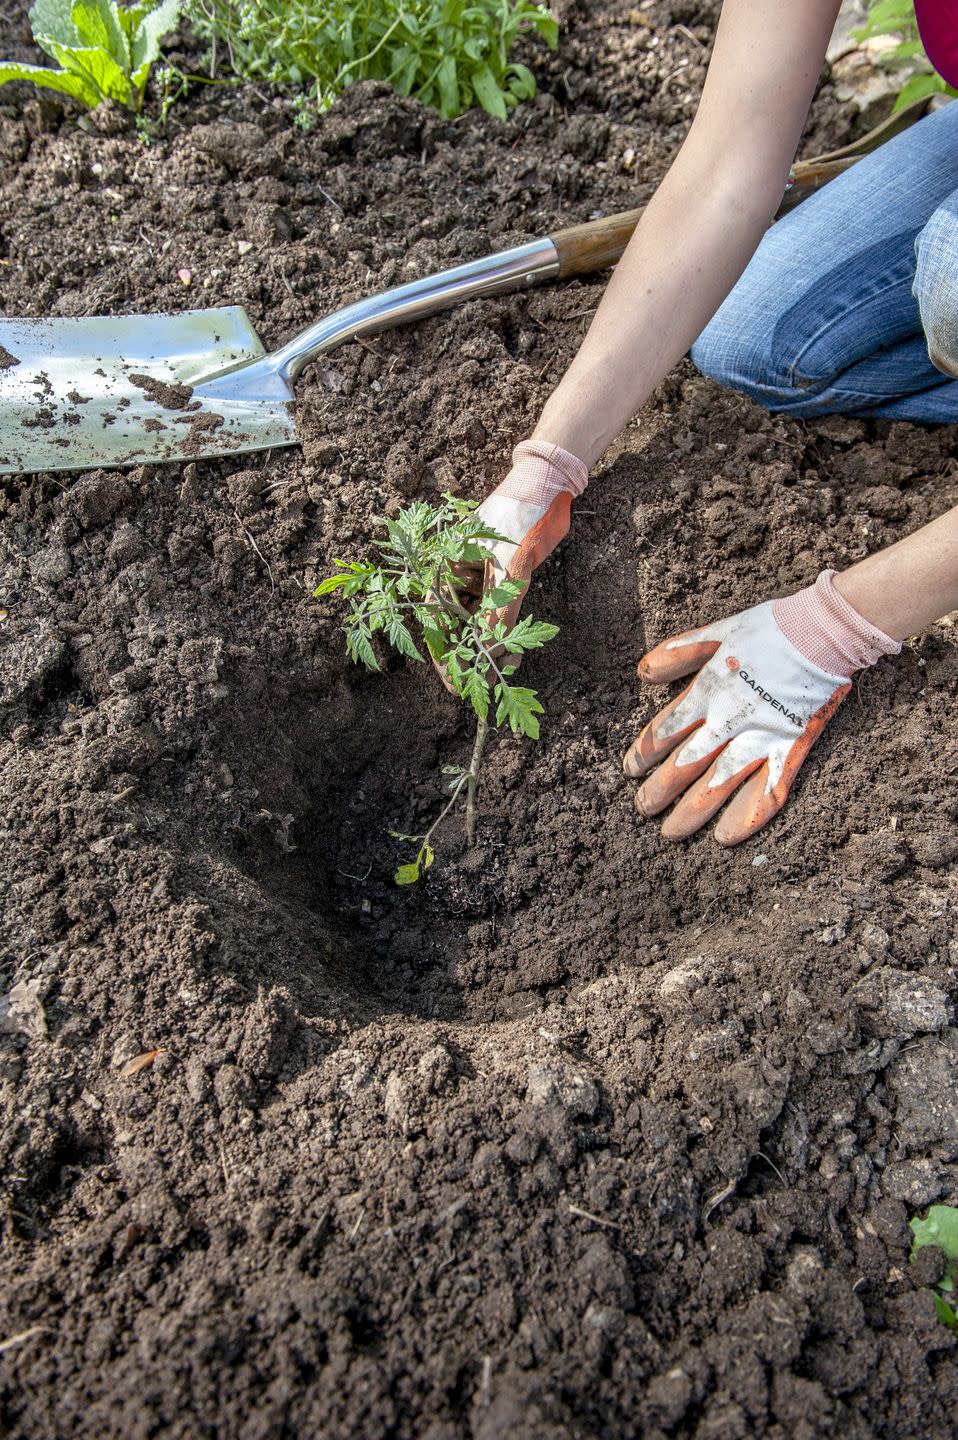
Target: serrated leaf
(407, 874)
(476, 690)
(472, 554)
(453, 671)
(531, 634)
(400, 638)
(503, 594)
(436, 642)
(359, 648)
(519, 707)
(331, 583)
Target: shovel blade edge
(112, 391)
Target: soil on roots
(586, 1135)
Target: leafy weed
(104, 49)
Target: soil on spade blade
(588, 1135)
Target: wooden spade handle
(583, 249)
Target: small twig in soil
(759, 1156)
(252, 540)
(347, 876)
(548, 363)
(23, 1335)
(684, 30)
(597, 1219)
(327, 196)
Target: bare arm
(913, 582)
(704, 222)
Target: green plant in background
(450, 54)
(897, 18)
(104, 49)
(940, 1228)
(415, 583)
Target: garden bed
(588, 1134)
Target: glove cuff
(829, 632)
(541, 471)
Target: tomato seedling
(420, 581)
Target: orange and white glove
(769, 680)
(531, 509)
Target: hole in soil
(551, 895)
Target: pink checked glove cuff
(541, 471)
(829, 632)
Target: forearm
(693, 242)
(911, 584)
(704, 221)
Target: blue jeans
(850, 304)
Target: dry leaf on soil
(140, 1062)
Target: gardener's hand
(531, 510)
(769, 681)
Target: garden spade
(79, 393)
(76, 394)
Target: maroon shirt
(938, 28)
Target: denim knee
(735, 355)
(936, 285)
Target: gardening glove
(531, 509)
(769, 681)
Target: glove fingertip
(749, 810)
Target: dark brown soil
(588, 1135)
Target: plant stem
(457, 791)
(472, 778)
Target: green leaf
(940, 1227)
(53, 19)
(476, 690)
(99, 29)
(917, 88)
(160, 21)
(359, 647)
(99, 68)
(522, 82)
(519, 707)
(437, 643)
(447, 79)
(400, 638)
(503, 594)
(331, 583)
(488, 93)
(407, 874)
(530, 634)
(453, 671)
(47, 79)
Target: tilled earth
(588, 1135)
